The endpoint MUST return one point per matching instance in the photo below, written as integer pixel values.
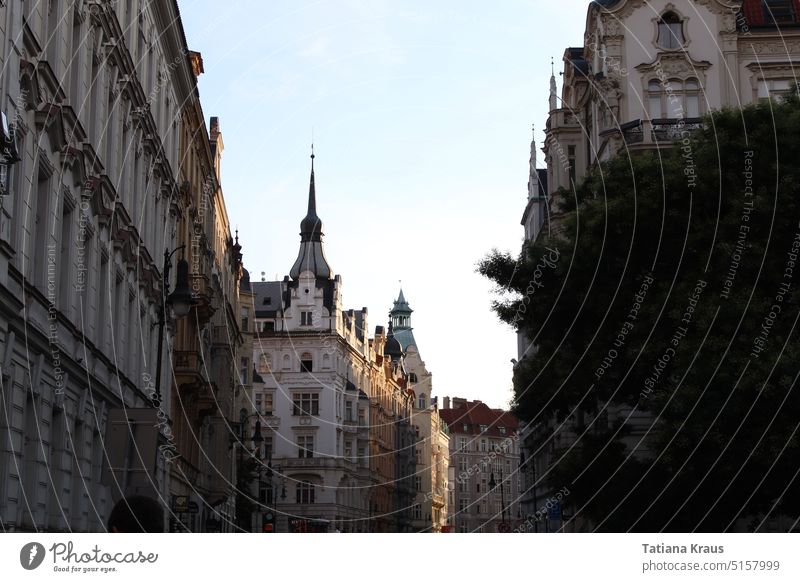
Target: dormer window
(778, 12)
(670, 31)
(306, 318)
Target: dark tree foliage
(674, 296)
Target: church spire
(553, 88)
(311, 256)
(533, 175)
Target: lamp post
(257, 441)
(492, 485)
(180, 300)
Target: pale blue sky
(421, 115)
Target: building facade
(90, 99)
(484, 456)
(332, 403)
(645, 75)
(429, 510)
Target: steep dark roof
(311, 256)
(267, 298)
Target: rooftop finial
(552, 67)
(237, 236)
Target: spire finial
(237, 235)
(552, 67)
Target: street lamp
(492, 485)
(180, 300)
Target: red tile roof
(474, 414)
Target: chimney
(446, 402)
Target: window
(502, 429)
(571, 162)
(305, 446)
(465, 427)
(483, 445)
(778, 12)
(417, 483)
(483, 428)
(670, 31)
(268, 325)
(462, 504)
(412, 377)
(306, 318)
(259, 402)
(264, 363)
(362, 456)
(245, 319)
(422, 401)
(462, 486)
(306, 404)
(348, 411)
(267, 453)
(417, 511)
(306, 362)
(268, 403)
(348, 450)
(462, 463)
(775, 89)
(244, 369)
(654, 99)
(304, 492)
(462, 444)
(678, 99)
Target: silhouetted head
(136, 514)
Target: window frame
(305, 404)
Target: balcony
(658, 132)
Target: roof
(473, 415)
(267, 298)
(766, 14)
(311, 256)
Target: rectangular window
(305, 492)
(462, 443)
(306, 404)
(348, 450)
(268, 403)
(483, 445)
(362, 456)
(571, 162)
(268, 326)
(258, 402)
(778, 12)
(417, 511)
(244, 368)
(417, 483)
(305, 447)
(462, 504)
(362, 416)
(348, 411)
(462, 463)
(267, 447)
(245, 319)
(307, 363)
(306, 318)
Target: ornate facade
(331, 403)
(90, 92)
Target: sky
(421, 114)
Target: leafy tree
(674, 296)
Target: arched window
(287, 364)
(670, 31)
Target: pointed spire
(311, 256)
(533, 176)
(311, 225)
(553, 88)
